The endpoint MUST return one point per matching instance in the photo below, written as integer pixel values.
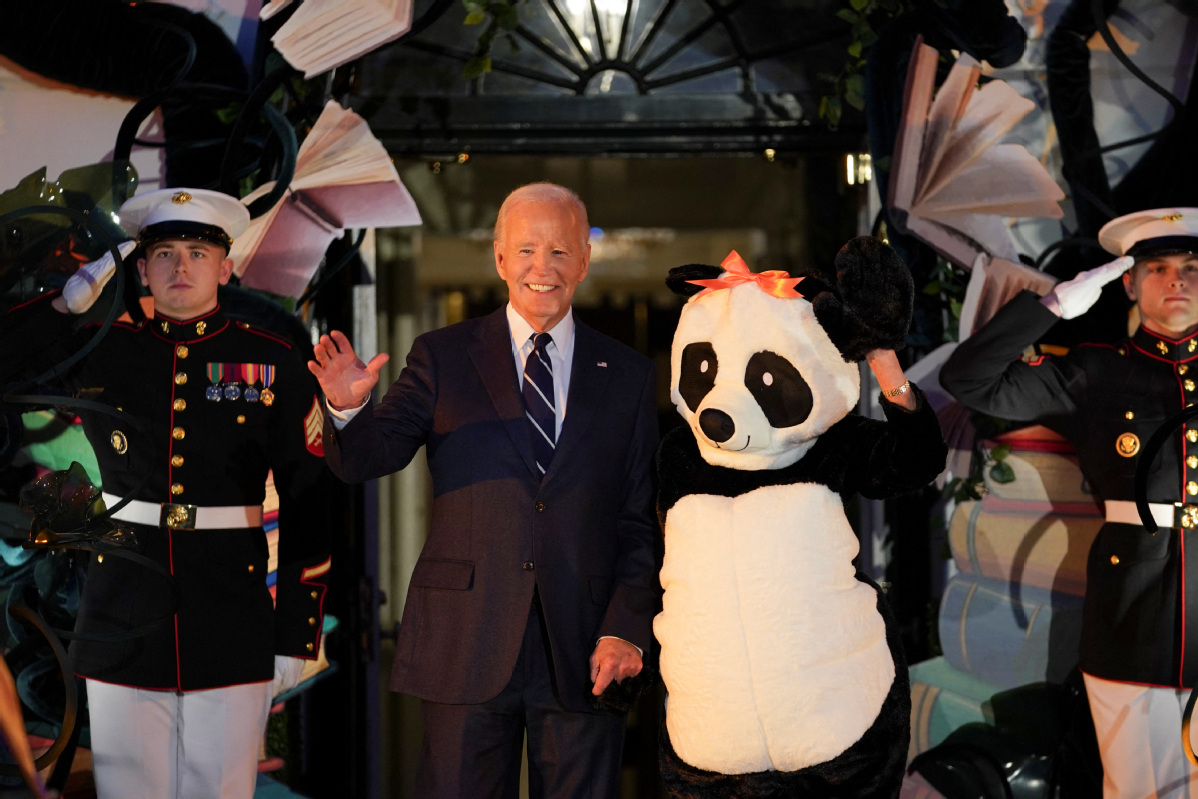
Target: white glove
(287, 673)
(1074, 297)
(84, 287)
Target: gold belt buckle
(1185, 516)
(178, 517)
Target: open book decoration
(951, 183)
(993, 283)
(324, 34)
(344, 178)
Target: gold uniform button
(176, 461)
(1189, 384)
(1192, 488)
(1192, 435)
(315, 595)
(250, 568)
(1192, 462)
(181, 350)
(179, 404)
(1114, 560)
(311, 621)
(1130, 415)
(99, 558)
(240, 419)
(181, 379)
(1127, 445)
(176, 488)
(309, 646)
(178, 433)
(1181, 370)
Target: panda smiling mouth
(742, 449)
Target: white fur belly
(773, 654)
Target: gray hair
(542, 193)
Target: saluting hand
(345, 380)
(1074, 297)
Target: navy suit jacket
(584, 536)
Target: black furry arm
(885, 459)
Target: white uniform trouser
(1139, 738)
(170, 745)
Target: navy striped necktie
(538, 400)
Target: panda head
(761, 367)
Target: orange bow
(775, 282)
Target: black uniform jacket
(1141, 590)
(201, 452)
(583, 537)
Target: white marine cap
(184, 214)
(1160, 231)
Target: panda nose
(717, 425)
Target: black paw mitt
(871, 307)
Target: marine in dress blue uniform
(222, 403)
(1139, 645)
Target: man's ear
(586, 263)
(498, 259)
(141, 270)
(226, 271)
(1129, 286)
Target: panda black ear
(876, 294)
(679, 275)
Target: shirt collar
(1167, 349)
(562, 332)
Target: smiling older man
(538, 584)
(1139, 647)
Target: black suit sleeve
(384, 438)
(636, 592)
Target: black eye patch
(779, 389)
(696, 376)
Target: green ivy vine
(501, 20)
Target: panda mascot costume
(782, 663)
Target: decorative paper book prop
(324, 34)
(993, 283)
(951, 183)
(343, 179)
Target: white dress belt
(212, 517)
(1122, 511)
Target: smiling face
(183, 275)
(756, 378)
(542, 253)
(1166, 289)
